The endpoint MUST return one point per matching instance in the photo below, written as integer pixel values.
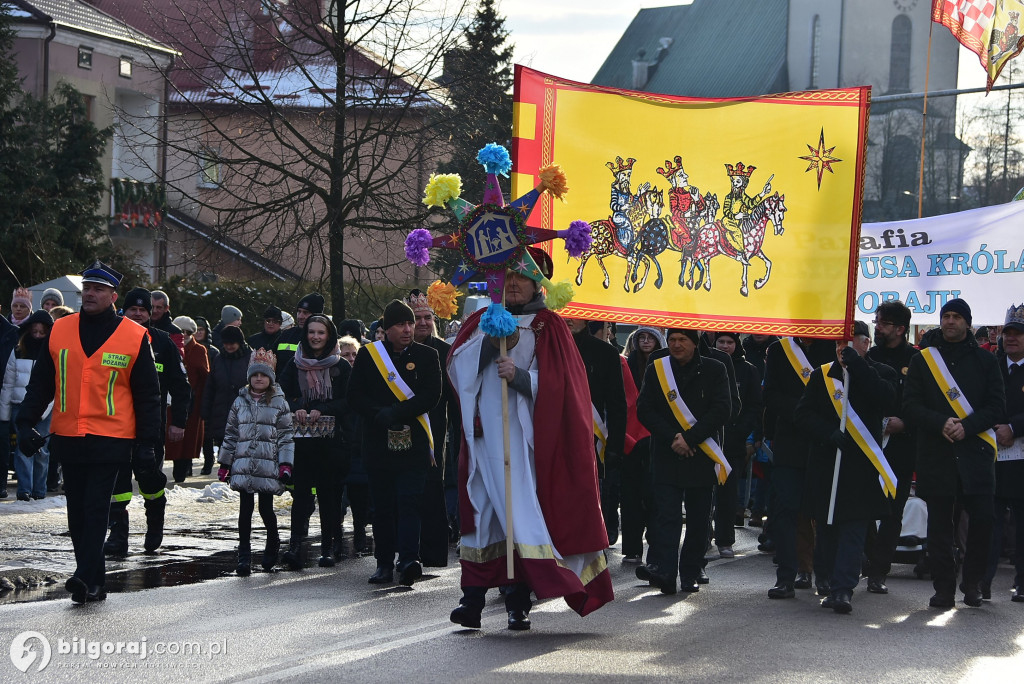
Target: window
(124, 68)
(899, 57)
(209, 169)
(84, 57)
(815, 52)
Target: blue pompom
(497, 321)
(495, 159)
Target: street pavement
(331, 625)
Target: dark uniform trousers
(668, 501)
(397, 503)
(942, 514)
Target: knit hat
(313, 303)
(957, 306)
(274, 313)
(353, 327)
(230, 314)
(52, 294)
(287, 321)
(22, 296)
(735, 338)
(397, 312)
(231, 333)
(595, 327)
(262, 361)
(186, 323)
(689, 332)
(140, 296)
(657, 333)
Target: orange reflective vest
(93, 393)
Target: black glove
(838, 439)
(853, 361)
(384, 418)
(29, 441)
(144, 459)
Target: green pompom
(558, 294)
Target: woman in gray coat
(257, 454)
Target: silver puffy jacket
(257, 440)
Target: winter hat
(262, 361)
(313, 303)
(397, 312)
(186, 323)
(657, 333)
(287, 321)
(595, 326)
(735, 338)
(52, 294)
(40, 316)
(232, 333)
(689, 332)
(22, 296)
(139, 297)
(274, 313)
(229, 314)
(353, 327)
(957, 306)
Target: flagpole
(506, 443)
(839, 450)
(924, 120)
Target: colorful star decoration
(820, 159)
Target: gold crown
(1015, 314)
(22, 293)
(739, 170)
(618, 165)
(668, 170)
(264, 357)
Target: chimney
(640, 66)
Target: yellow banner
(726, 214)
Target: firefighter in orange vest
(137, 307)
(100, 375)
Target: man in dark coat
(162, 319)
(1010, 472)
(955, 446)
(396, 446)
(268, 337)
(608, 396)
(682, 464)
(858, 497)
(787, 369)
(289, 341)
(173, 382)
(892, 326)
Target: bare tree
(305, 129)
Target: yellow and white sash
(861, 434)
(684, 416)
(961, 406)
(600, 433)
(398, 386)
(797, 358)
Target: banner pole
(839, 451)
(509, 543)
(924, 119)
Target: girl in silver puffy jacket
(257, 454)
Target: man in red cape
(558, 528)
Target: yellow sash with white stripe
(398, 386)
(861, 434)
(797, 358)
(961, 406)
(600, 433)
(684, 416)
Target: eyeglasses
(271, 320)
(888, 324)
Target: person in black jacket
(859, 498)
(680, 463)
(396, 446)
(268, 337)
(784, 384)
(892, 326)
(315, 383)
(1010, 473)
(204, 338)
(955, 455)
(161, 318)
(227, 376)
(736, 432)
(608, 396)
(8, 341)
(289, 340)
(94, 444)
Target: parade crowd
(553, 435)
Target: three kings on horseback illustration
(638, 232)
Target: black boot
(244, 568)
(270, 553)
(117, 542)
(294, 558)
(359, 540)
(155, 523)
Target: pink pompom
(577, 238)
(417, 246)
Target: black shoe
(972, 598)
(293, 557)
(154, 538)
(877, 586)
(206, 471)
(326, 562)
(466, 616)
(79, 590)
(410, 573)
(828, 602)
(842, 602)
(37, 498)
(755, 520)
(803, 580)
(689, 585)
(22, 496)
(382, 576)
(942, 601)
(781, 591)
(702, 577)
(1017, 595)
(986, 591)
(115, 548)
(766, 547)
(270, 552)
(823, 589)
(243, 569)
(518, 620)
(96, 594)
(650, 574)
(3, 493)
